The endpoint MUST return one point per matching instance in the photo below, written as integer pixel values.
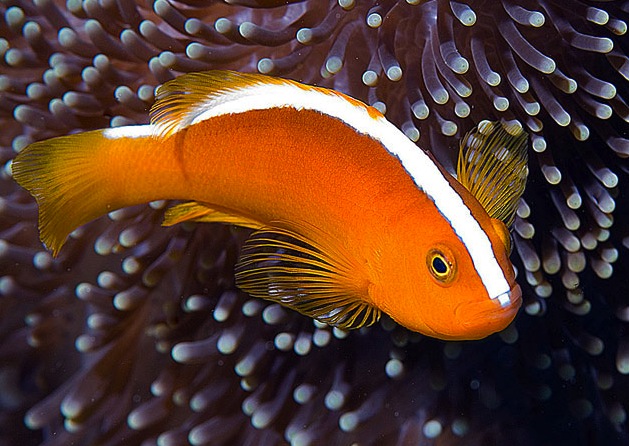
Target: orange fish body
(344, 231)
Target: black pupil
(439, 265)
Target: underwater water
(136, 333)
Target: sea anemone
(136, 334)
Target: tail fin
(70, 178)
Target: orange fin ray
(492, 165)
(284, 267)
(64, 177)
(179, 101)
(201, 213)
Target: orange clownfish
(350, 218)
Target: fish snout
(480, 319)
(510, 298)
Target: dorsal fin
(285, 267)
(493, 167)
(184, 100)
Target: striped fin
(286, 268)
(493, 167)
(201, 213)
(180, 102)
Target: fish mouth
(480, 319)
(511, 299)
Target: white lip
(504, 299)
(479, 319)
(509, 301)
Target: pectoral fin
(286, 268)
(493, 167)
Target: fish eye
(440, 265)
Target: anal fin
(198, 212)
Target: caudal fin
(68, 177)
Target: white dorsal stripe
(427, 177)
(129, 131)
